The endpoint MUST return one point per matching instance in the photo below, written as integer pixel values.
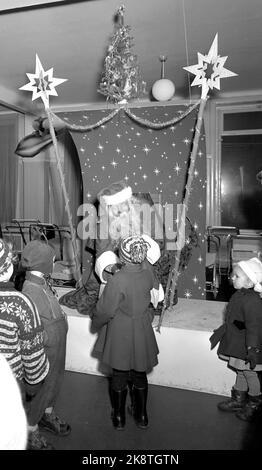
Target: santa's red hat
(116, 193)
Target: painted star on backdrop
(177, 168)
(209, 70)
(42, 83)
(146, 149)
(187, 294)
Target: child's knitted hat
(133, 249)
(115, 193)
(253, 269)
(5, 259)
(38, 256)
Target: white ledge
(185, 358)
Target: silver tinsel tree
(121, 79)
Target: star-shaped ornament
(209, 70)
(42, 83)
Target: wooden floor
(178, 420)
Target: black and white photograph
(131, 231)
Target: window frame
(216, 113)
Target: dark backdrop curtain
(151, 161)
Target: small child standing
(38, 258)
(127, 341)
(240, 339)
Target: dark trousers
(41, 396)
(122, 378)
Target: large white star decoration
(209, 70)
(42, 83)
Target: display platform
(185, 358)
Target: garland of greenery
(139, 120)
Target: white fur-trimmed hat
(253, 269)
(115, 193)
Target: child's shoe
(38, 442)
(52, 423)
(237, 401)
(118, 415)
(251, 411)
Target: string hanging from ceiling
(186, 47)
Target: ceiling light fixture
(163, 89)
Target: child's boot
(130, 408)
(118, 398)
(251, 409)
(235, 403)
(139, 408)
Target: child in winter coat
(21, 331)
(240, 339)
(38, 258)
(126, 340)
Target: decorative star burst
(42, 83)
(209, 70)
(187, 294)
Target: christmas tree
(121, 79)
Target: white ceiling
(73, 36)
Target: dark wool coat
(243, 325)
(127, 341)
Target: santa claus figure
(120, 214)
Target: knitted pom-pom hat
(116, 193)
(5, 259)
(133, 249)
(38, 256)
(253, 269)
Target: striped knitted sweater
(22, 335)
